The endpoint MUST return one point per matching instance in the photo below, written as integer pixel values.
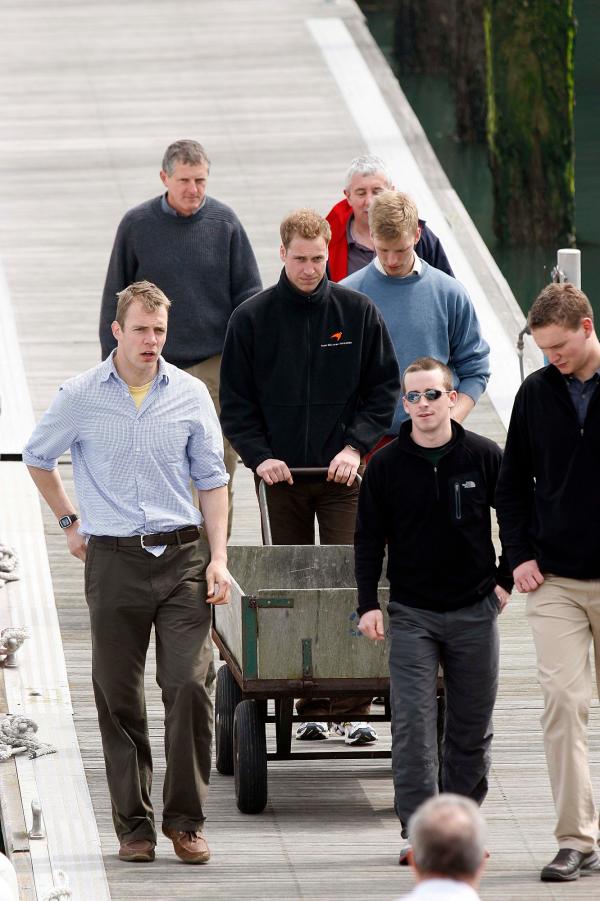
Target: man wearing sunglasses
(427, 495)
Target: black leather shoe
(570, 864)
(403, 860)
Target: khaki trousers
(209, 371)
(564, 615)
(128, 590)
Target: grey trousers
(465, 643)
(128, 591)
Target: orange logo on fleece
(337, 336)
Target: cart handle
(262, 495)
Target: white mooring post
(568, 264)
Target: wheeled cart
(289, 632)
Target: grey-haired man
(196, 250)
(448, 854)
(351, 247)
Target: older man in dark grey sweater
(197, 252)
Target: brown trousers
(209, 372)
(293, 508)
(292, 512)
(128, 590)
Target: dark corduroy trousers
(129, 590)
(293, 508)
(292, 511)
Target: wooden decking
(329, 828)
(92, 94)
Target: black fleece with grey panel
(435, 520)
(304, 375)
(549, 486)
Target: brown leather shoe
(140, 851)
(190, 847)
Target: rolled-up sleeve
(55, 433)
(205, 447)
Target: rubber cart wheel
(250, 754)
(227, 697)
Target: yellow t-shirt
(139, 393)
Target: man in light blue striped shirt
(139, 430)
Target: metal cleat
(11, 639)
(37, 830)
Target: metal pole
(264, 512)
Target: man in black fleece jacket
(197, 252)
(309, 379)
(427, 495)
(549, 509)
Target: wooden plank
(12, 820)
(38, 688)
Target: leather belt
(179, 536)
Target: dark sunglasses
(413, 397)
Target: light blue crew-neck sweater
(429, 315)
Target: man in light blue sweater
(427, 312)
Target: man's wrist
(219, 558)
(368, 607)
(68, 520)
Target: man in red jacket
(351, 246)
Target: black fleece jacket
(549, 486)
(436, 523)
(304, 375)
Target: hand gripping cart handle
(262, 495)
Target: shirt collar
(167, 208)
(108, 369)
(593, 378)
(416, 269)
(350, 237)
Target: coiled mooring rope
(8, 565)
(60, 891)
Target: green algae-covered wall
(530, 100)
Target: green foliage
(530, 87)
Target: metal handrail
(262, 496)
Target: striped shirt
(132, 467)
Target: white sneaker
(354, 733)
(312, 732)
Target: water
(527, 269)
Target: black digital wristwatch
(67, 520)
